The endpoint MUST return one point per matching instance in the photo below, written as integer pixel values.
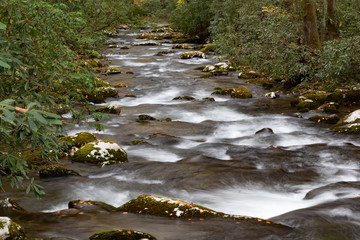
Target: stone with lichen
(78, 140)
(193, 54)
(350, 123)
(10, 229)
(100, 152)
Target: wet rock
(138, 142)
(240, 92)
(266, 83)
(350, 123)
(100, 94)
(112, 70)
(306, 105)
(210, 99)
(166, 207)
(331, 119)
(339, 189)
(122, 234)
(182, 46)
(10, 229)
(121, 85)
(331, 107)
(101, 83)
(78, 140)
(193, 54)
(100, 152)
(90, 206)
(207, 75)
(66, 212)
(186, 98)
(147, 43)
(8, 204)
(130, 95)
(124, 47)
(161, 53)
(265, 132)
(50, 171)
(208, 48)
(249, 74)
(145, 117)
(272, 95)
(219, 68)
(112, 109)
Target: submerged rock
(193, 54)
(122, 234)
(186, 98)
(50, 171)
(265, 131)
(90, 206)
(100, 152)
(10, 229)
(145, 117)
(78, 140)
(112, 109)
(166, 207)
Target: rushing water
(216, 160)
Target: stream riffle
(304, 176)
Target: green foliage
(42, 43)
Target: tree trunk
(310, 28)
(330, 22)
(323, 21)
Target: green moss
(112, 70)
(78, 140)
(13, 232)
(193, 54)
(94, 63)
(112, 109)
(56, 171)
(124, 47)
(79, 204)
(332, 119)
(329, 108)
(182, 46)
(241, 92)
(207, 75)
(220, 91)
(100, 152)
(249, 74)
(100, 94)
(101, 83)
(307, 105)
(208, 48)
(319, 97)
(122, 234)
(166, 207)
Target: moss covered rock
(182, 46)
(122, 234)
(112, 109)
(147, 43)
(101, 93)
(166, 207)
(10, 205)
(146, 117)
(249, 74)
(208, 48)
(193, 54)
(331, 119)
(331, 107)
(112, 70)
(50, 171)
(350, 123)
(219, 68)
(306, 105)
(94, 63)
(101, 83)
(10, 229)
(78, 140)
(241, 92)
(100, 152)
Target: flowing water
(211, 156)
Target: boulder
(166, 207)
(331, 119)
(78, 140)
(112, 109)
(10, 229)
(122, 234)
(219, 68)
(193, 54)
(50, 171)
(249, 74)
(147, 43)
(240, 92)
(90, 206)
(94, 63)
(330, 107)
(145, 117)
(272, 95)
(100, 152)
(101, 93)
(112, 70)
(350, 123)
